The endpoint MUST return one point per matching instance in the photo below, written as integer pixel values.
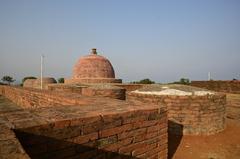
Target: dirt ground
(224, 145)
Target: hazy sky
(160, 40)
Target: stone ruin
(36, 83)
(93, 68)
(92, 115)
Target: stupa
(93, 68)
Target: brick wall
(233, 106)
(190, 115)
(29, 83)
(129, 87)
(34, 98)
(220, 86)
(92, 80)
(115, 93)
(94, 129)
(141, 134)
(109, 91)
(65, 88)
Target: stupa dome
(93, 68)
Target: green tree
(61, 80)
(184, 81)
(143, 81)
(8, 79)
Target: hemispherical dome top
(93, 66)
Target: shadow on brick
(175, 133)
(43, 147)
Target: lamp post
(42, 56)
(209, 76)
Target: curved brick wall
(45, 81)
(190, 115)
(29, 83)
(115, 93)
(219, 86)
(36, 83)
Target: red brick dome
(93, 66)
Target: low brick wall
(142, 135)
(233, 106)
(115, 93)
(219, 86)
(92, 80)
(29, 83)
(77, 89)
(129, 87)
(65, 88)
(189, 115)
(33, 98)
(118, 129)
(103, 90)
(36, 83)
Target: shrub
(61, 80)
(144, 81)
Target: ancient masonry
(220, 86)
(36, 83)
(93, 115)
(93, 68)
(190, 112)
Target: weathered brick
(116, 130)
(128, 149)
(120, 143)
(140, 151)
(132, 133)
(106, 141)
(84, 138)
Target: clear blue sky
(160, 40)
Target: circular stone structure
(29, 83)
(191, 110)
(36, 83)
(45, 81)
(93, 68)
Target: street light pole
(209, 76)
(42, 56)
